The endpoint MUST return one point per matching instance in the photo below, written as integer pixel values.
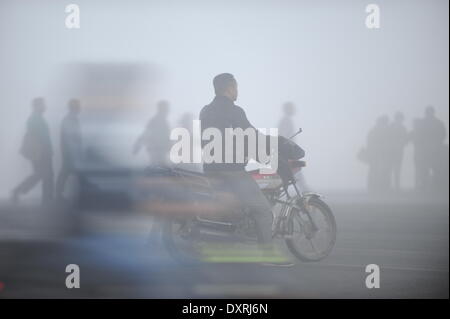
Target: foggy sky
(318, 54)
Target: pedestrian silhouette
(37, 148)
(286, 125)
(398, 139)
(428, 137)
(156, 136)
(186, 121)
(287, 128)
(71, 145)
(376, 156)
(442, 171)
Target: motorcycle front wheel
(313, 231)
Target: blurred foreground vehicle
(196, 212)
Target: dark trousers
(67, 169)
(42, 172)
(241, 184)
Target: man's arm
(240, 120)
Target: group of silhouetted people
(383, 153)
(37, 148)
(386, 142)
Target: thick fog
(318, 54)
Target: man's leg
(46, 168)
(251, 198)
(62, 178)
(248, 193)
(28, 183)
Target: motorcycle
(302, 219)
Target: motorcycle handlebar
(298, 132)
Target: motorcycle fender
(309, 196)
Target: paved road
(407, 238)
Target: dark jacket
(222, 113)
(36, 144)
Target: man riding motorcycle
(221, 114)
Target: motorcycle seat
(185, 171)
(292, 164)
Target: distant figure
(378, 148)
(442, 170)
(419, 159)
(428, 137)
(287, 128)
(156, 136)
(37, 148)
(398, 139)
(286, 125)
(71, 144)
(186, 121)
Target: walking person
(428, 137)
(37, 149)
(156, 137)
(398, 139)
(71, 145)
(287, 128)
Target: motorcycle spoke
(312, 245)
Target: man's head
(74, 106)
(38, 105)
(430, 111)
(225, 85)
(399, 117)
(163, 108)
(289, 109)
